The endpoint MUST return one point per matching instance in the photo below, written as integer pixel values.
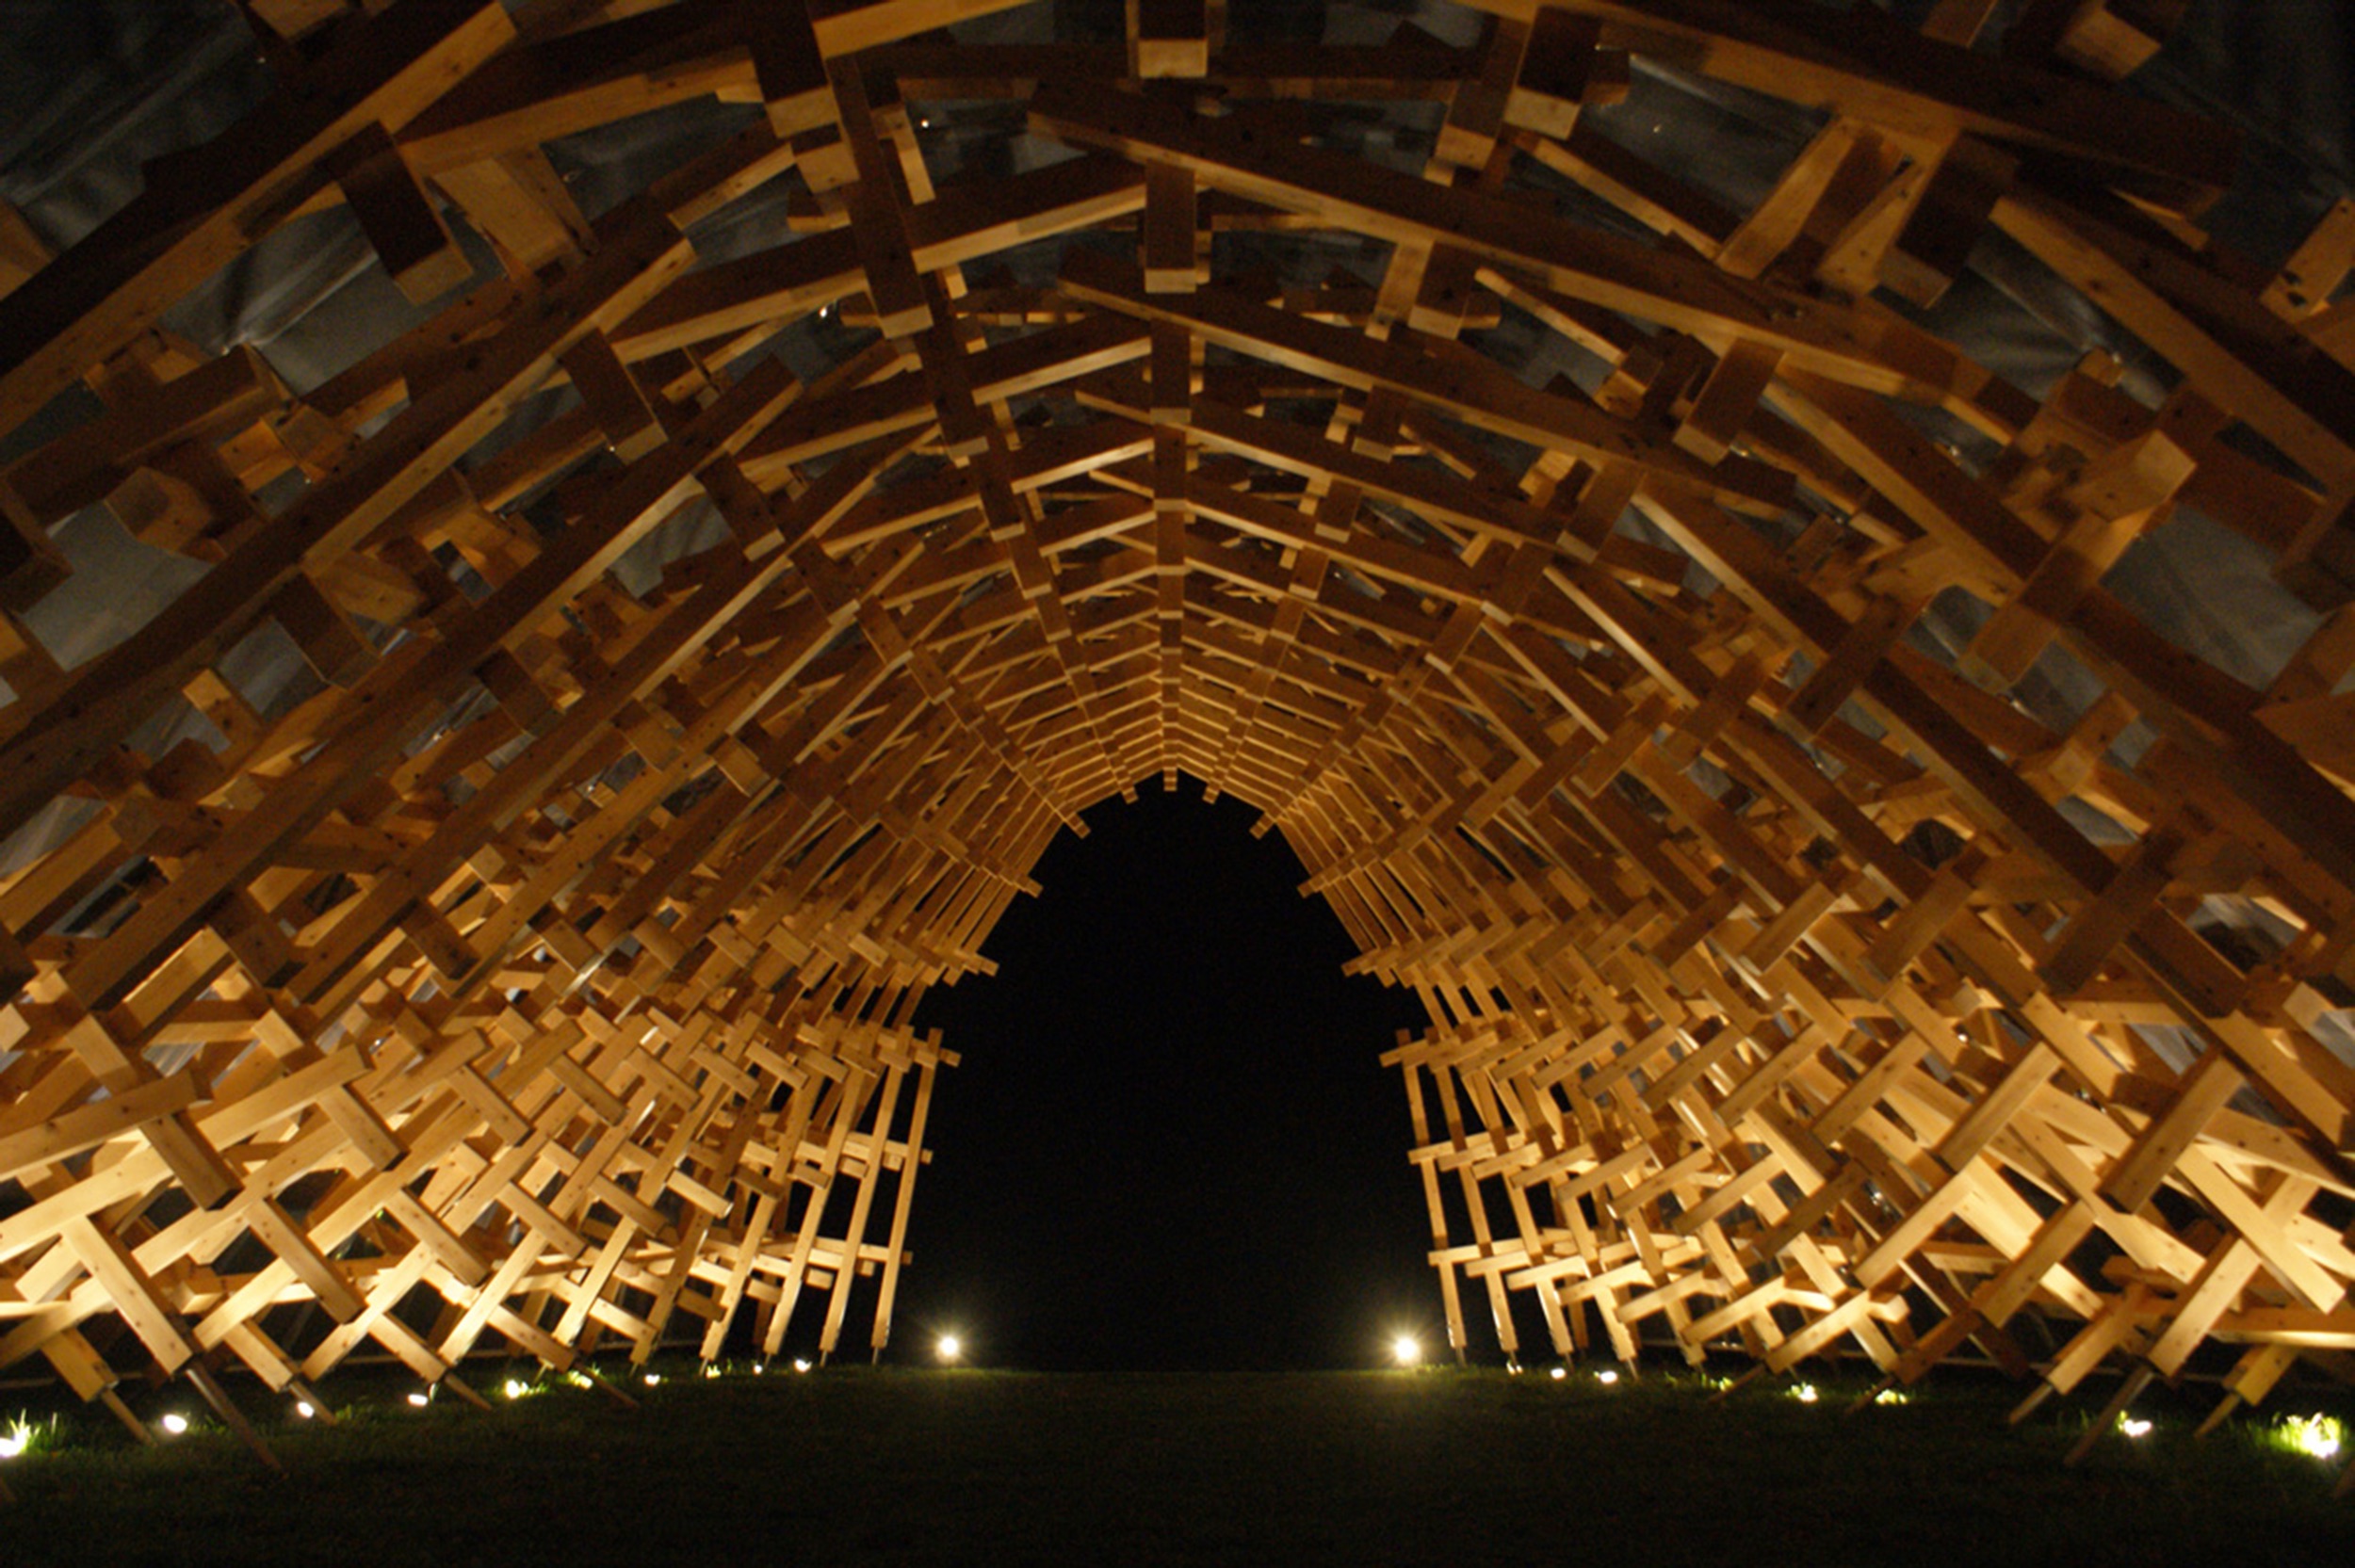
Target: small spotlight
(15, 1441)
(419, 1401)
(1559, 1373)
(1607, 1377)
(302, 1408)
(800, 1365)
(515, 1390)
(1892, 1396)
(1804, 1394)
(712, 1371)
(1405, 1351)
(2320, 1436)
(654, 1379)
(174, 1424)
(758, 1368)
(949, 1347)
(2132, 1428)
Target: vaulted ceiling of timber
(563, 562)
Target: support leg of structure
(302, 1391)
(2217, 1416)
(459, 1386)
(610, 1391)
(234, 1418)
(123, 1413)
(2135, 1382)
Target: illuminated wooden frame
(553, 964)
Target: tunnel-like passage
(1170, 1143)
(563, 565)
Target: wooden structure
(541, 969)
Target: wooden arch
(538, 965)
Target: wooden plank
(411, 241)
(111, 283)
(1876, 67)
(62, 1137)
(118, 690)
(1583, 263)
(1410, 363)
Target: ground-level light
(419, 1401)
(1607, 1377)
(2132, 1428)
(1405, 1350)
(1559, 1373)
(1805, 1393)
(2318, 1435)
(949, 1347)
(174, 1424)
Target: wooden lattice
(541, 970)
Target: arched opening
(1170, 1142)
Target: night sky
(1170, 1144)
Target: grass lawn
(976, 1467)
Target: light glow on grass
(2133, 1427)
(1804, 1394)
(516, 1389)
(174, 1424)
(16, 1440)
(419, 1401)
(1471, 1438)
(2320, 1436)
(800, 1365)
(1405, 1350)
(1559, 1373)
(1607, 1377)
(302, 1408)
(654, 1379)
(1891, 1396)
(949, 1347)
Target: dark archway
(1170, 1142)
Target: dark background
(1170, 1143)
